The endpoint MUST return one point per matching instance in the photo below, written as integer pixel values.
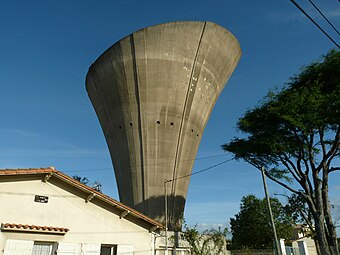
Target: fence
(292, 251)
(252, 252)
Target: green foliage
(84, 180)
(295, 134)
(299, 211)
(310, 103)
(211, 241)
(251, 228)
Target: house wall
(310, 244)
(87, 222)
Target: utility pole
(166, 216)
(276, 241)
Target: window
(25, 247)
(42, 248)
(107, 249)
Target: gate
(292, 251)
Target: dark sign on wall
(40, 199)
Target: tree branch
(328, 156)
(282, 183)
(311, 153)
(333, 169)
(306, 173)
(292, 171)
(297, 172)
(335, 147)
(306, 218)
(322, 142)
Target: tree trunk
(316, 207)
(331, 231)
(320, 234)
(317, 246)
(320, 237)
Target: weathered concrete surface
(153, 92)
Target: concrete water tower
(153, 92)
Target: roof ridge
(30, 168)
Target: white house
(303, 241)
(44, 212)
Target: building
(302, 239)
(44, 211)
(153, 92)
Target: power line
(160, 164)
(181, 177)
(200, 171)
(336, 30)
(315, 23)
(88, 170)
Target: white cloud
(21, 136)
(332, 13)
(19, 143)
(297, 16)
(335, 202)
(285, 17)
(43, 152)
(22, 148)
(336, 208)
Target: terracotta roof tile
(26, 227)
(27, 171)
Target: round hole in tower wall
(171, 123)
(130, 124)
(158, 122)
(192, 130)
(120, 127)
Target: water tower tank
(153, 92)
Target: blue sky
(46, 48)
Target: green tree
(297, 207)
(84, 180)
(251, 229)
(295, 134)
(208, 242)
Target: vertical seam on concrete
(182, 120)
(211, 38)
(140, 130)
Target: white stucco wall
(87, 222)
(310, 245)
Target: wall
(309, 244)
(87, 222)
